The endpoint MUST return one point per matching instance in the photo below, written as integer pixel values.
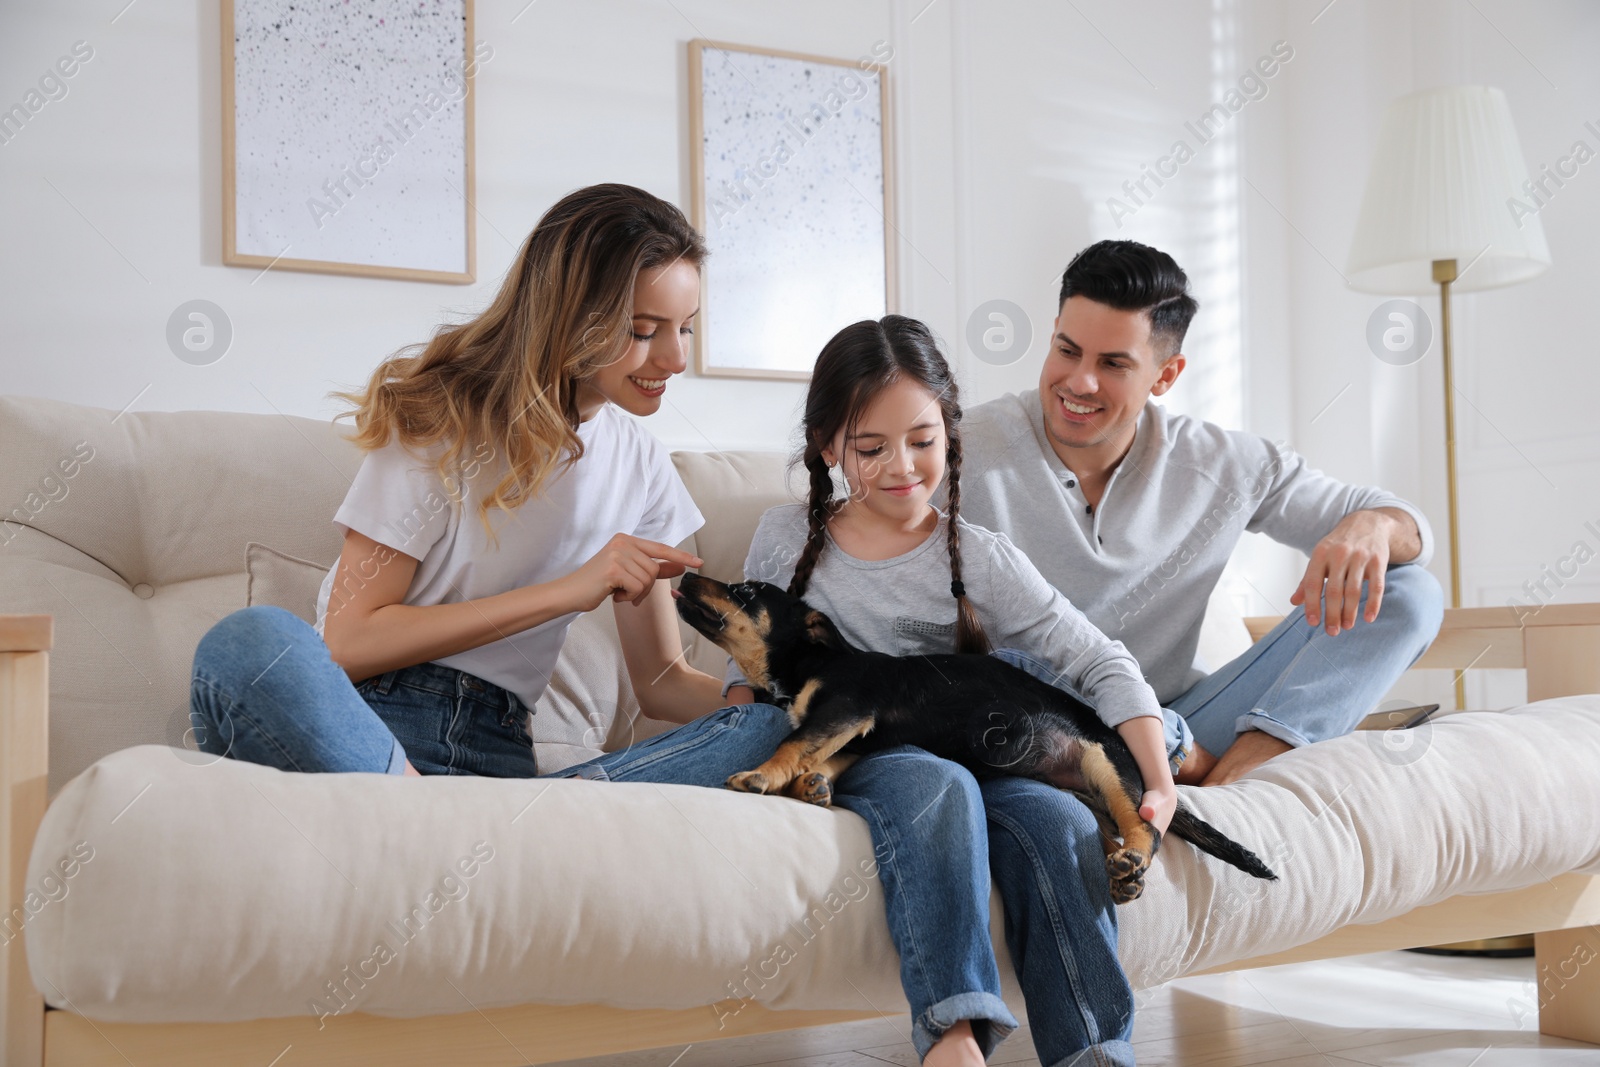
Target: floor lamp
(1449, 203)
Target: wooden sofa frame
(1559, 646)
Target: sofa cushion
(141, 548)
(707, 895)
(282, 580)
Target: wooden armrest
(1558, 644)
(26, 633)
(1456, 619)
(25, 642)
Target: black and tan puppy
(976, 710)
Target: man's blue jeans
(265, 689)
(1300, 685)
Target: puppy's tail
(1207, 838)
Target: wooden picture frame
(401, 119)
(793, 189)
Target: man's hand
(1356, 551)
(1158, 805)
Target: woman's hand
(1158, 805)
(626, 569)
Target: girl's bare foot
(412, 772)
(956, 1047)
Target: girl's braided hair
(855, 366)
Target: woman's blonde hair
(508, 379)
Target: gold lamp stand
(1444, 272)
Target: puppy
(976, 710)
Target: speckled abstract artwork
(794, 205)
(350, 132)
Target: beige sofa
(172, 908)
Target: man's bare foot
(1249, 750)
(1195, 766)
(956, 1047)
(411, 772)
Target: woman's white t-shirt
(624, 483)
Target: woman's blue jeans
(265, 689)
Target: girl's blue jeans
(265, 689)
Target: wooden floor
(1393, 1008)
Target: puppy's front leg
(798, 767)
(816, 787)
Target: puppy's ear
(820, 630)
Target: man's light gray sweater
(1142, 564)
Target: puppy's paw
(1127, 892)
(1127, 866)
(813, 788)
(749, 782)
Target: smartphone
(1399, 718)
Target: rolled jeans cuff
(397, 759)
(1260, 720)
(1179, 738)
(927, 1028)
(1105, 1054)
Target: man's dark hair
(1130, 276)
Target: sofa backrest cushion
(141, 548)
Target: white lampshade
(1446, 167)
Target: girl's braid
(817, 518)
(969, 631)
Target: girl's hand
(1158, 805)
(626, 569)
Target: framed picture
(792, 188)
(347, 138)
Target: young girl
(502, 494)
(897, 575)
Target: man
(1133, 513)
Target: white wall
(1016, 122)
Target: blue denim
(266, 689)
(450, 722)
(1301, 686)
(1049, 866)
(927, 821)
